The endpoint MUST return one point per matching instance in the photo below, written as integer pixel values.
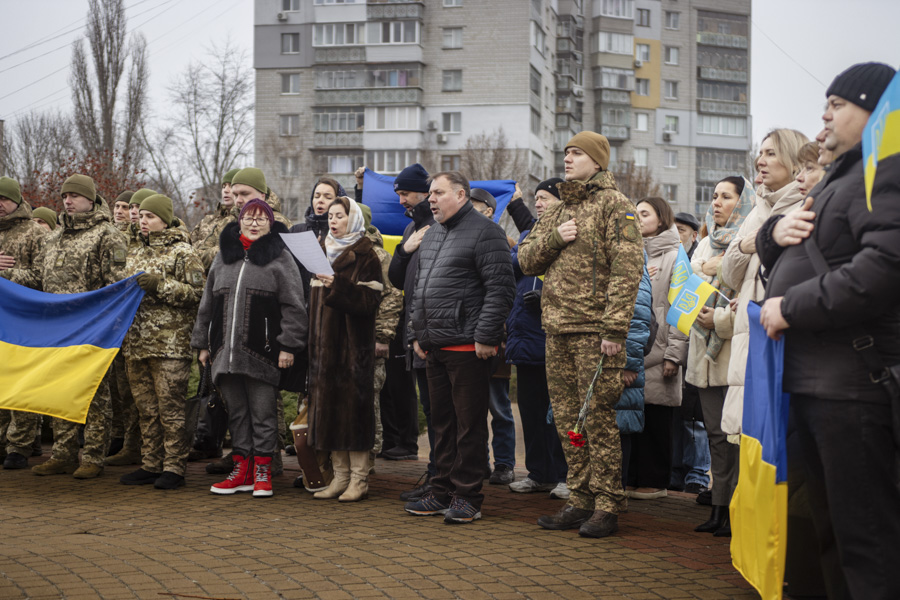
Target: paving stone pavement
(65, 538)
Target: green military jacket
(388, 315)
(209, 223)
(20, 236)
(165, 319)
(590, 284)
(84, 253)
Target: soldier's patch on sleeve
(196, 278)
(628, 227)
(119, 256)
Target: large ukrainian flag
(760, 503)
(56, 348)
(881, 136)
(692, 297)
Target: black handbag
(293, 378)
(209, 422)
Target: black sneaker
(461, 511)
(694, 488)
(705, 498)
(502, 475)
(423, 486)
(139, 477)
(14, 460)
(398, 453)
(426, 506)
(169, 481)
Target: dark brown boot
(568, 517)
(222, 466)
(600, 525)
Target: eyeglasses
(254, 220)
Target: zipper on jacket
(234, 312)
(268, 348)
(427, 277)
(594, 269)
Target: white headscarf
(356, 228)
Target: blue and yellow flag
(881, 136)
(684, 310)
(56, 348)
(680, 273)
(760, 502)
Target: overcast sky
(798, 46)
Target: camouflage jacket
(208, 223)
(164, 321)
(388, 315)
(84, 253)
(590, 284)
(275, 202)
(131, 232)
(20, 237)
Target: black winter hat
(413, 178)
(550, 186)
(485, 196)
(688, 219)
(862, 84)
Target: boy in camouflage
(590, 250)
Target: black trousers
(650, 463)
(544, 456)
(459, 390)
(399, 406)
(851, 466)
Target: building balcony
(356, 54)
(722, 40)
(713, 174)
(343, 139)
(367, 96)
(615, 132)
(722, 107)
(722, 74)
(608, 96)
(394, 9)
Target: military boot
(88, 471)
(222, 466)
(55, 466)
(127, 456)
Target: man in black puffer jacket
(464, 291)
(832, 292)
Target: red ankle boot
(262, 486)
(240, 480)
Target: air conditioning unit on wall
(432, 125)
(442, 138)
(638, 63)
(667, 136)
(282, 16)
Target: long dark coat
(342, 351)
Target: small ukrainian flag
(629, 216)
(680, 273)
(687, 304)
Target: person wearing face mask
(342, 309)
(157, 348)
(251, 324)
(710, 342)
(779, 164)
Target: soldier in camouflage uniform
(83, 254)
(211, 222)
(44, 217)
(20, 241)
(158, 345)
(590, 250)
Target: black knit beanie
(413, 178)
(862, 84)
(550, 186)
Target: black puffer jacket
(465, 285)
(859, 293)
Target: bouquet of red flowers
(576, 436)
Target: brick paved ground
(63, 538)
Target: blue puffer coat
(526, 340)
(630, 408)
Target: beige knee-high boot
(340, 460)
(359, 478)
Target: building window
(623, 9)
(350, 118)
(290, 166)
(452, 3)
(641, 157)
(670, 90)
(450, 162)
(453, 37)
(671, 124)
(734, 126)
(535, 122)
(339, 164)
(538, 38)
(642, 87)
(642, 52)
(642, 18)
(390, 161)
(336, 34)
(617, 79)
(393, 32)
(290, 125)
(291, 5)
(670, 192)
(673, 20)
(615, 43)
(290, 83)
(641, 122)
(534, 81)
(722, 58)
(391, 118)
(451, 122)
(671, 55)
(290, 43)
(613, 156)
(671, 159)
(452, 80)
(722, 91)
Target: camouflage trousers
(23, 428)
(159, 386)
(124, 412)
(380, 376)
(595, 469)
(5, 416)
(96, 431)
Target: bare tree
(97, 72)
(37, 142)
(167, 174)
(213, 122)
(487, 155)
(635, 182)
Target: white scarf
(355, 230)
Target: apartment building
(385, 83)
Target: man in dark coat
(464, 291)
(832, 292)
